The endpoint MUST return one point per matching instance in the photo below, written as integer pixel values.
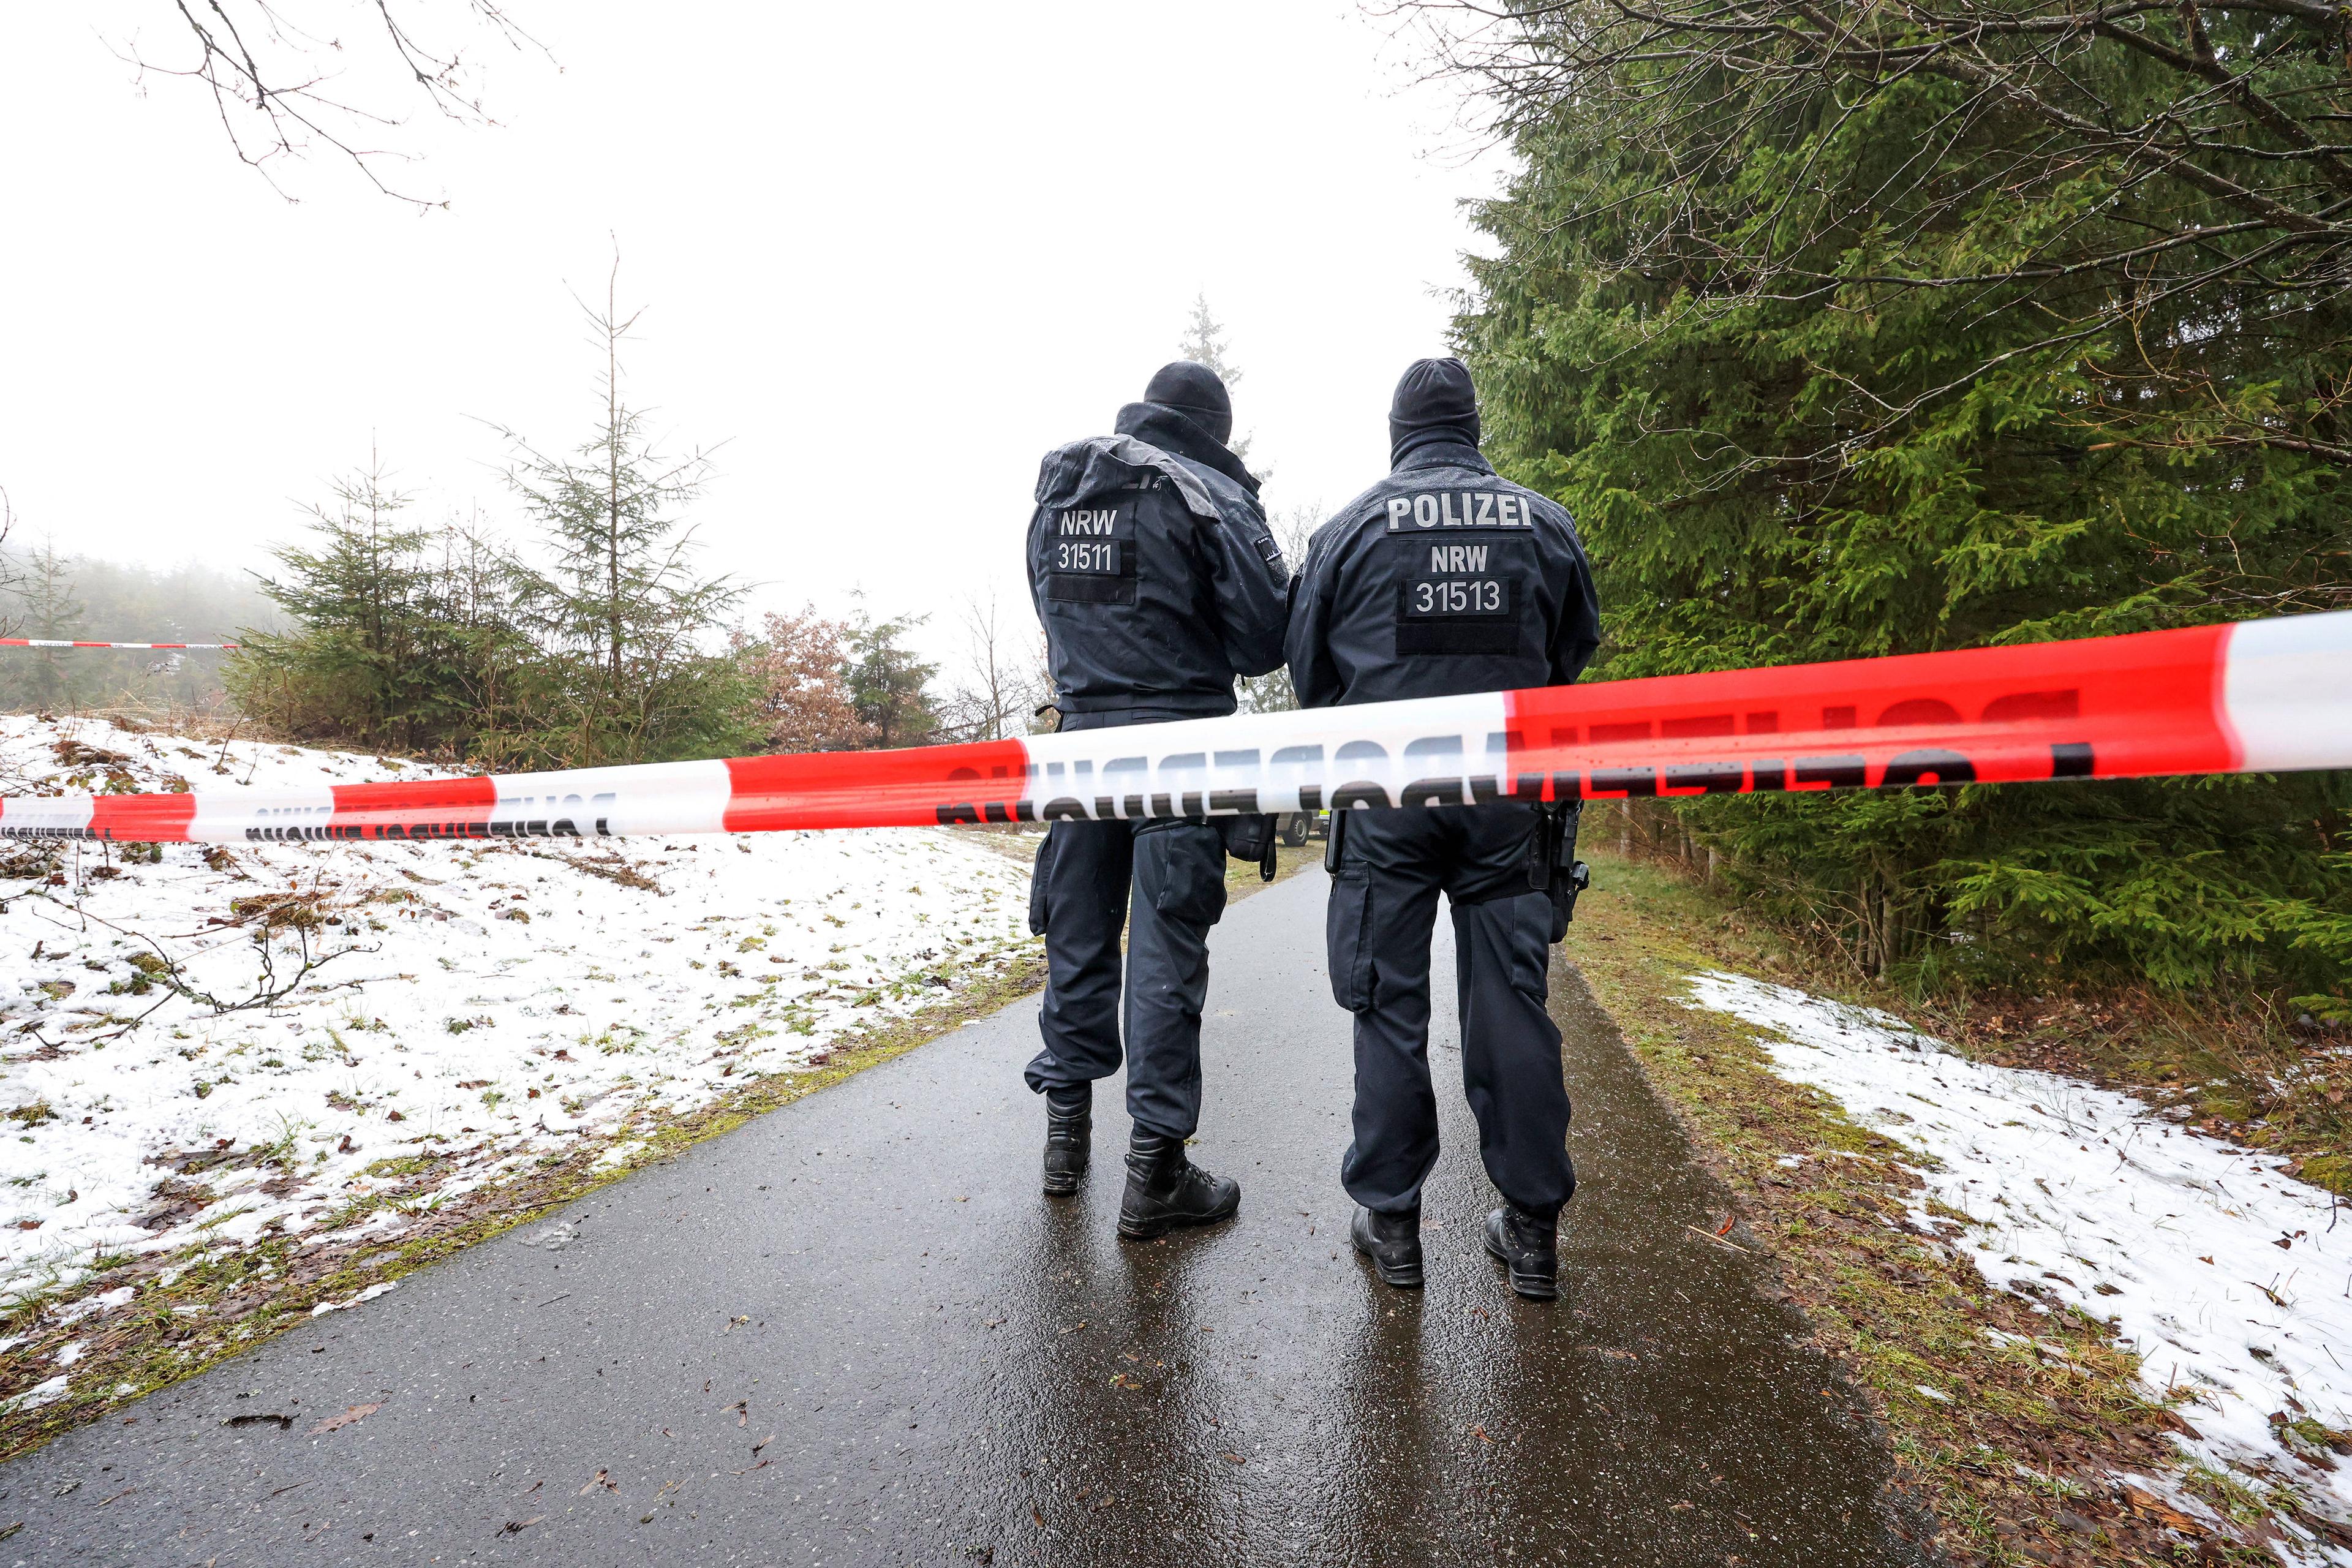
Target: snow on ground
(479, 1005)
(2233, 1280)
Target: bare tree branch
(278, 83)
(10, 576)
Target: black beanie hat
(1194, 391)
(1435, 402)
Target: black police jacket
(1154, 572)
(1444, 578)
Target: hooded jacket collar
(1171, 430)
(1443, 454)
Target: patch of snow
(2222, 1272)
(103, 1301)
(369, 1294)
(2168, 1490)
(40, 1394)
(448, 1039)
(71, 1354)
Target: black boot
(1164, 1190)
(1068, 1133)
(1392, 1241)
(1529, 1247)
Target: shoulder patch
(1091, 551)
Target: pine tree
(185, 602)
(1835, 353)
(351, 665)
(366, 575)
(1204, 342)
(401, 637)
(621, 605)
(53, 612)
(500, 683)
(888, 682)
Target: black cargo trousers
(1390, 866)
(1175, 871)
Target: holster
(1252, 835)
(1552, 865)
(1043, 868)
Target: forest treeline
(1843, 331)
(1858, 330)
(381, 631)
(593, 639)
(587, 636)
(596, 639)
(590, 636)
(48, 594)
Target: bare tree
(282, 78)
(1273, 692)
(9, 574)
(1004, 679)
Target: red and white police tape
(40, 642)
(2258, 696)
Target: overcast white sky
(891, 255)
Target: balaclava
(1196, 392)
(1435, 402)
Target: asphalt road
(854, 1333)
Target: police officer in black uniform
(1441, 580)
(1158, 581)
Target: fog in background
(890, 256)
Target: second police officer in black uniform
(1158, 581)
(1442, 580)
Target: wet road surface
(854, 1333)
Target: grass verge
(2028, 1455)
